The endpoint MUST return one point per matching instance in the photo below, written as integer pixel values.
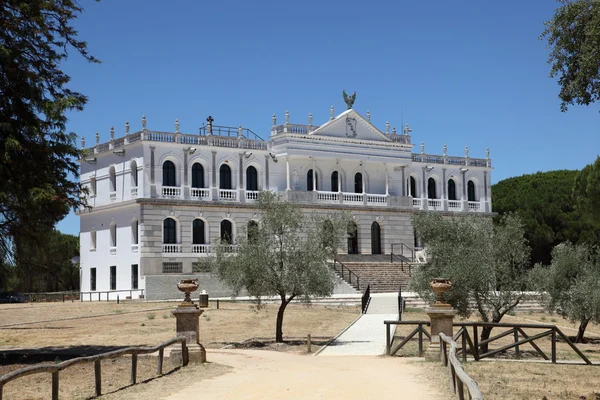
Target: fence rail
(457, 374)
(108, 292)
(55, 369)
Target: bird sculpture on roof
(349, 99)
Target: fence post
(476, 343)
(98, 377)
(387, 339)
(184, 354)
(460, 388)
(464, 344)
(553, 345)
(63, 297)
(420, 340)
(517, 350)
(308, 344)
(55, 385)
(133, 368)
(161, 355)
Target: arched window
(198, 232)
(134, 231)
(375, 238)
(252, 231)
(251, 178)
(169, 231)
(168, 170)
(113, 235)
(335, 184)
(451, 189)
(471, 191)
(197, 176)
(413, 187)
(358, 183)
(134, 177)
(113, 179)
(226, 232)
(352, 238)
(309, 180)
(431, 189)
(225, 177)
(92, 187)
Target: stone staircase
(377, 271)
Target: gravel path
(265, 375)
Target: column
(444, 186)
(266, 172)
(387, 183)
(314, 174)
(465, 205)
(152, 173)
(186, 187)
(213, 183)
(403, 186)
(287, 172)
(485, 193)
(362, 176)
(241, 191)
(424, 194)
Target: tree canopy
(486, 263)
(587, 192)
(573, 36)
(285, 255)
(37, 155)
(570, 284)
(544, 202)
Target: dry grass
(150, 323)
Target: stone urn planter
(440, 286)
(188, 286)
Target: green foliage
(288, 258)
(573, 36)
(587, 192)
(486, 262)
(570, 284)
(37, 155)
(545, 204)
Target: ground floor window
(172, 268)
(92, 279)
(134, 276)
(113, 277)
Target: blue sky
(462, 73)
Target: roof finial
(349, 100)
(393, 130)
(97, 138)
(240, 131)
(112, 133)
(209, 126)
(422, 147)
(487, 153)
(407, 130)
(310, 119)
(331, 113)
(82, 142)
(143, 122)
(368, 115)
(274, 119)
(467, 151)
(127, 127)
(287, 117)
(387, 126)
(177, 125)
(445, 149)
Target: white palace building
(159, 200)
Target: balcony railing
(464, 161)
(113, 196)
(328, 197)
(228, 194)
(171, 248)
(134, 192)
(376, 199)
(474, 206)
(252, 195)
(171, 192)
(200, 193)
(434, 203)
(352, 198)
(201, 248)
(454, 205)
(417, 203)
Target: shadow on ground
(51, 354)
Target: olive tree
(570, 285)
(486, 263)
(285, 255)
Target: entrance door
(352, 238)
(375, 238)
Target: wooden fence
(55, 369)
(457, 374)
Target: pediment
(350, 125)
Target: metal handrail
(366, 299)
(350, 273)
(229, 131)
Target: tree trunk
(485, 334)
(279, 326)
(581, 331)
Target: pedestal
(441, 317)
(187, 316)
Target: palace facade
(160, 200)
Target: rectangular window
(93, 187)
(113, 277)
(134, 276)
(134, 232)
(92, 279)
(172, 268)
(92, 240)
